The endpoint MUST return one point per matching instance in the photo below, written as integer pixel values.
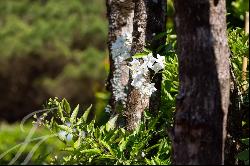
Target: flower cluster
(141, 70)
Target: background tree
(203, 99)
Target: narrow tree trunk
(120, 14)
(235, 113)
(203, 99)
(136, 104)
(149, 19)
(156, 24)
(234, 129)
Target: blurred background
(51, 48)
(58, 48)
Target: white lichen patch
(120, 51)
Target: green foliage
(240, 7)
(239, 46)
(51, 24)
(105, 144)
(236, 10)
(11, 139)
(170, 81)
(244, 155)
(48, 48)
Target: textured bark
(120, 14)
(234, 129)
(203, 99)
(135, 103)
(149, 19)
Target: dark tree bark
(149, 19)
(156, 24)
(234, 129)
(203, 99)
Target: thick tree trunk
(120, 14)
(149, 19)
(203, 99)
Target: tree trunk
(156, 24)
(120, 14)
(149, 19)
(234, 128)
(203, 99)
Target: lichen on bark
(120, 14)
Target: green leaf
(146, 50)
(245, 141)
(86, 113)
(62, 138)
(123, 144)
(159, 36)
(60, 113)
(91, 151)
(152, 147)
(111, 123)
(74, 114)
(139, 55)
(69, 149)
(77, 143)
(106, 145)
(66, 106)
(65, 128)
(243, 155)
(106, 156)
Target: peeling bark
(203, 99)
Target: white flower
(65, 135)
(69, 137)
(142, 69)
(160, 60)
(138, 81)
(157, 67)
(108, 109)
(139, 71)
(82, 134)
(148, 89)
(134, 64)
(160, 64)
(149, 60)
(138, 68)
